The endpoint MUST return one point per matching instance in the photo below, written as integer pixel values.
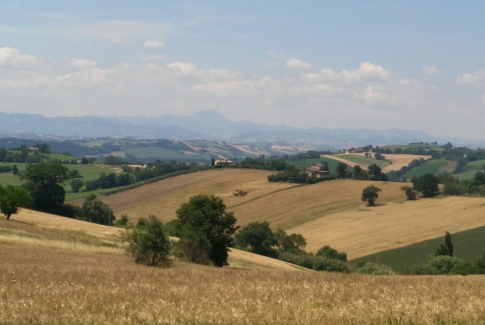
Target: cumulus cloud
(371, 95)
(82, 63)
(152, 44)
(12, 57)
(431, 70)
(306, 99)
(366, 70)
(475, 79)
(295, 63)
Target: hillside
(327, 213)
(57, 235)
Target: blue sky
(335, 64)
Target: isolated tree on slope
(370, 194)
(12, 198)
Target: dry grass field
(57, 271)
(368, 230)
(164, 197)
(398, 161)
(51, 286)
(327, 213)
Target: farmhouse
(316, 170)
(223, 161)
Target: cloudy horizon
(347, 65)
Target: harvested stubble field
(165, 197)
(398, 161)
(45, 286)
(327, 213)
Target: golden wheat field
(55, 286)
(56, 270)
(327, 213)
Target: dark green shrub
(148, 244)
(331, 253)
(316, 263)
(373, 268)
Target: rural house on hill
(316, 170)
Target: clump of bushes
(373, 268)
(317, 263)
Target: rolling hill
(327, 213)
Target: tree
(357, 174)
(331, 253)
(113, 160)
(427, 184)
(148, 244)
(206, 216)
(481, 265)
(44, 185)
(370, 194)
(341, 170)
(411, 194)
(445, 249)
(257, 238)
(76, 185)
(12, 198)
(213, 162)
(15, 170)
(43, 147)
(375, 173)
(96, 210)
(294, 243)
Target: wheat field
(326, 213)
(46, 286)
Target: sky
(332, 64)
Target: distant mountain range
(209, 125)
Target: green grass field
(468, 245)
(432, 166)
(365, 161)
(89, 173)
(465, 175)
(411, 146)
(332, 164)
(476, 163)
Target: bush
(148, 244)
(257, 238)
(373, 268)
(316, 263)
(329, 252)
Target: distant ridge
(208, 125)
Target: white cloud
(366, 70)
(82, 63)
(482, 99)
(371, 95)
(295, 63)
(475, 79)
(431, 70)
(307, 99)
(12, 57)
(152, 44)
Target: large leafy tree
(370, 194)
(258, 238)
(96, 210)
(44, 183)
(206, 216)
(427, 184)
(341, 170)
(12, 198)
